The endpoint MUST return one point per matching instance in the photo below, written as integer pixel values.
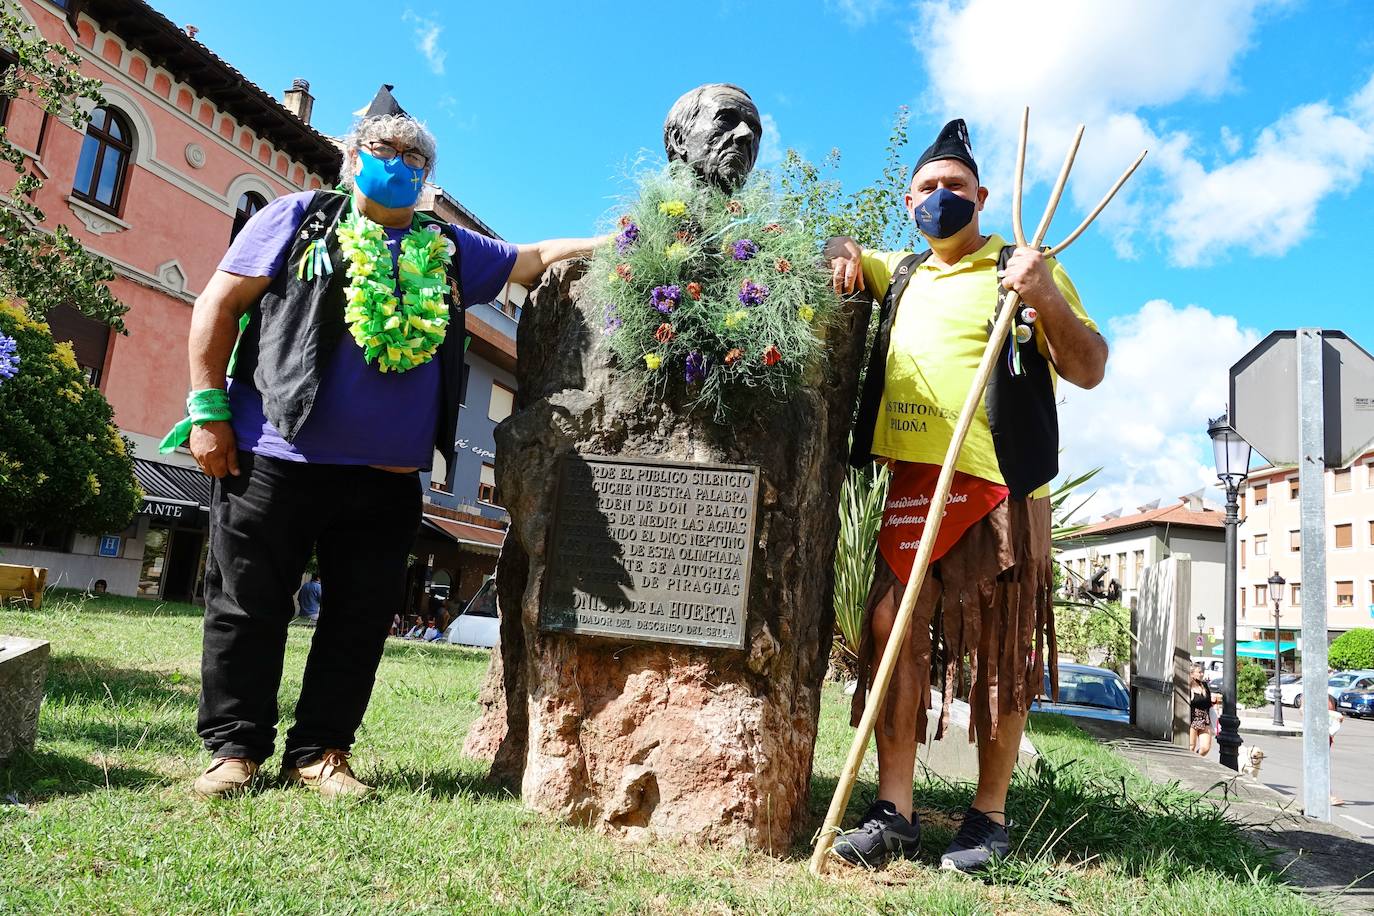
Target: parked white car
(480, 623)
(1291, 686)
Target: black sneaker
(980, 840)
(881, 835)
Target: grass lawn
(100, 818)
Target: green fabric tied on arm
(208, 405)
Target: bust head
(716, 130)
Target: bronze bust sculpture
(715, 129)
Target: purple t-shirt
(361, 415)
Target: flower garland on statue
(724, 296)
(397, 334)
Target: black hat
(951, 144)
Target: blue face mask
(390, 182)
(941, 214)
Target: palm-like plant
(861, 515)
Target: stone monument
(665, 586)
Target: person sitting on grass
(432, 633)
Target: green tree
(1352, 649)
(1251, 679)
(61, 458)
(39, 268)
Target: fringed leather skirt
(984, 622)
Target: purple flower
(613, 321)
(665, 298)
(9, 357)
(626, 238)
(696, 367)
(744, 250)
(751, 293)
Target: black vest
(1021, 408)
(297, 324)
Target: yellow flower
(735, 317)
(806, 313)
(653, 360)
(677, 251)
(673, 208)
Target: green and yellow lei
(397, 334)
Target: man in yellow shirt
(986, 607)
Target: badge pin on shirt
(314, 260)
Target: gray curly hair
(401, 129)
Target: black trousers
(263, 524)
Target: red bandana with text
(904, 516)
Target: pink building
(1269, 541)
(184, 150)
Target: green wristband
(208, 405)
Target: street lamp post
(1201, 622)
(1276, 583)
(1232, 454)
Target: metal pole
(1229, 740)
(1316, 727)
(1278, 665)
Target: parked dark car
(1357, 703)
(1088, 692)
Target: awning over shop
(1258, 648)
(477, 538)
(172, 484)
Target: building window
(1345, 536)
(34, 538)
(250, 202)
(1243, 593)
(1295, 541)
(1242, 554)
(102, 170)
(1369, 474)
(1261, 595)
(1292, 488)
(90, 339)
(1371, 533)
(1340, 481)
(502, 402)
(486, 488)
(1261, 494)
(1295, 597)
(1345, 594)
(1139, 566)
(438, 474)
(1261, 545)
(6, 62)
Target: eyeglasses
(386, 152)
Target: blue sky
(1248, 215)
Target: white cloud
(427, 32)
(859, 12)
(771, 148)
(1112, 66)
(1146, 424)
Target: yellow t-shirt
(938, 338)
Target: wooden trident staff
(825, 839)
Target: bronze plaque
(655, 550)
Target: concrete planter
(22, 585)
(23, 669)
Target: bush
(61, 459)
(1094, 633)
(1251, 679)
(1352, 649)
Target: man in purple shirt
(314, 414)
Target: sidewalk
(1321, 858)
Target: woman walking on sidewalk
(1200, 701)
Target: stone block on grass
(23, 669)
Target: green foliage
(1094, 633)
(61, 458)
(707, 344)
(102, 819)
(874, 216)
(43, 269)
(1352, 649)
(861, 514)
(1251, 679)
